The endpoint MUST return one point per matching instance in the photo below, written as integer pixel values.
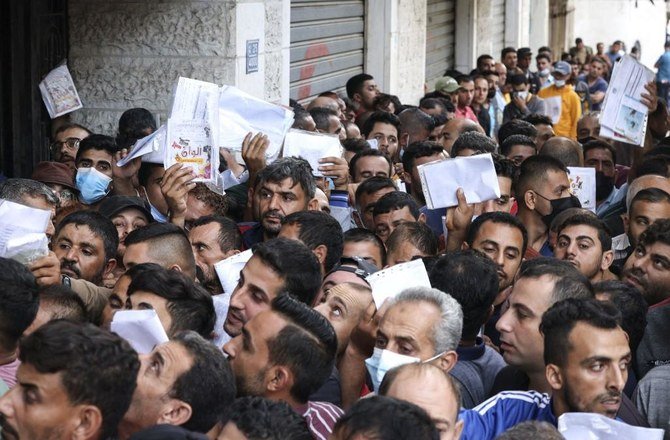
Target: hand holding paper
(390, 282)
(141, 328)
(311, 147)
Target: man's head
(587, 356)
(202, 201)
(385, 128)
(184, 382)
(485, 63)
(544, 127)
(86, 243)
(516, 126)
(18, 302)
(601, 156)
(597, 69)
(501, 237)
(481, 90)
(456, 127)
(74, 381)
(471, 143)
(119, 297)
(564, 149)
(509, 58)
(97, 151)
(430, 388)
(419, 153)
(33, 194)
(282, 188)
(179, 303)
(162, 243)
(393, 209)
(507, 173)
(318, 231)
(302, 120)
(66, 142)
(466, 90)
(518, 148)
(127, 214)
(326, 120)
(365, 244)
(277, 267)
(647, 206)
(369, 163)
(353, 146)
(326, 102)
(367, 194)
(410, 241)
(284, 353)
(213, 238)
(362, 90)
(630, 303)
(588, 127)
(134, 124)
(415, 125)
(471, 279)
(58, 302)
(648, 267)
(585, 242)
(524, 57)
(543, 63)
(540, 283)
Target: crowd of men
(537, 307)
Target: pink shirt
(321, 418)
(466, 113)
(8, 372)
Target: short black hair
(61, 302)
(568, 281)
(651, 195)
(229, 237)
(504, 218)
(659, 231)
(516, 126)
(294, 168)
(18, 302)
(145, 171)
(505, 51)
(357, 235)
(354, 145)
(260, 418)
(564, 149)
(482, 58)
(295, 263)
(542, 55)
(99, 225)
(307, 345)
(208, 386)
(419, 234)
(317, 228)
(97, 142)
(368, 152)
(190, 306)
(385, 418)
(321, 116)
(95, 366)
(516, 139)
(559, 320)
(414, 119)
(517, 79)
(382, 117)
(533, 170)
(382, 101)
(300, 118)
(419, 149)
(167, 244)
(355, 84)
(431, 103)
(372, 185)
(471, 279)
(396, 200)
(539, 119)
(505, 167)
(473, 140)
(598, 144)
(460, 79)
(632, 306)
(134, 124)
(604, 234)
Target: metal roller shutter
(326, 45)
(439, 38)
(497, 27)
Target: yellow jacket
(564, 108)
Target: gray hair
(447, 333)
(14, 190)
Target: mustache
(7, 431)
(273, 213)
(71, 265)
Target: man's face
(116, 300)
(195, 209)
(555, 186)
(503, 244)
(544, 133)
(505, 201)
(450, 132)
(407, 329)
(596, 70)
(65, 152)
(159, 370)
(601, 159)
(207, 251)
(81, 253)
(38, 407)
(143, 300)
(370, 166)
(466, 93)
(40, 202)
(249, 354)
(501, 70)
(519, 327)
(257, 287)
(414, 178)
(487, 64)
(385, 224)
(274, 201)
(405, 252)
(101, 160)
(588, 126)
(368, 94)
(153, 189)
(596, 370)
(366, 250)
(334, 125)
(126, 222)
(387, 137)
(579, 245)
(524, 61)
(519, 153)
(436, 135)
(366, 204)
(510, 60)
(542, 63)
(481, 91)
(343, 306)
(648, 270)
(642, 214)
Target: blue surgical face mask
(92, 185)
(383, 360)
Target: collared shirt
(321, 418)
(466, 113)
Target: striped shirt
(321, 418)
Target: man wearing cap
(60, 178)
(562, 102)
(449, 87)
(524, 56)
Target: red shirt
(466, 113)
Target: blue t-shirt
(663, 67)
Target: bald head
(324, 102)
(645, 182)
(564, 149)
(455, 127)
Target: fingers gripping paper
(229, 270)
(475, 174)
(141, 328)
(390, 282)
(312, 147)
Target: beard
(250, 386)
(573, 404)
(271, 228)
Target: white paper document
(624, 116)
(390, 282)
(312, 147)
(475, 174)
(23, 232)
(583, 186)
(240, 113)
(152, 143)
(59, 93)
(591, 426)
(141, 328)
(229, 270)
(195, 99)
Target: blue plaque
(252, 56)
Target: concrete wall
(126, 54)
(610, 20)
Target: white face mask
(384, 360)
(544, 73)
(559, 83)
(523, 94)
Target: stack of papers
(475, 174)
(583, 186)
(312, 147)
(59, 93)
(390, 282)
(150, 148)
(624, 116)
(589, 426)
(229, 270)
(141, 328)
(23, 232)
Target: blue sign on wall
(252, 56)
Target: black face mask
(491, 94)
(604, 185)
(558, 206)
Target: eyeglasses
(69, 143)
(66, 195)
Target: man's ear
(529, 199)
(313, 205)
(279, 379)
(447, 361)
(89, 422)
(465, 246)
(321, 252)
(175, 413)
(176, 268)
(230, 253)
(554, 376)
(422, 218)
(357, 98)
(607, 260)
(109, 267)
(626, 221)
